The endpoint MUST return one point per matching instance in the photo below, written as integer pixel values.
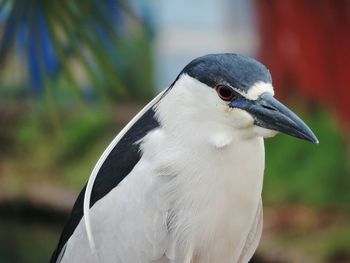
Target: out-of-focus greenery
(76, 50)
(65, 154)
(318, 175)
(324, 244)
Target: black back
(114, 169)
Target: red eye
(225, 93)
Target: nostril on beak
(268, 107)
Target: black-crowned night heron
(182, 181)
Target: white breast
(211, 194)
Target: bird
(182, 182)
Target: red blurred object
(306, 45)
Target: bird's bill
(271, 114)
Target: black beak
(269, 113)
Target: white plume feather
(88, 191)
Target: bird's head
(234, 92)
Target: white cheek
(241, 118)
(266, 133)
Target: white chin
(266, 133)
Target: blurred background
(74, 72)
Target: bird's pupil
(224, 92)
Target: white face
(193, 107)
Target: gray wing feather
(129, 225)
(253, 237)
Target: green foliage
(66, 153)
(330, 243)
(79, 135)
(298, 171)
(96, 48)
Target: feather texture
(99, 164)
(193, 196)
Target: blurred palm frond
(84, 42)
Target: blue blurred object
(48, 33)
(42, 58)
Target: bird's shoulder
(115, 167)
